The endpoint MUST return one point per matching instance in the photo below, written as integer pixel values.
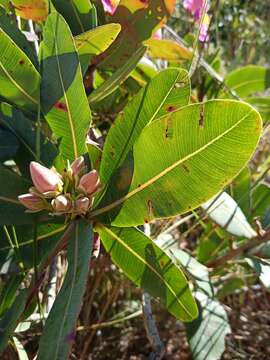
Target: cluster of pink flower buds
(69, 193)
(199, 8)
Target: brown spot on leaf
(186, 168)
(171, 108)
(201, 120)
(21, 62)
(60, 105)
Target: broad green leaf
(119, 76)
(11, 210)
(19, 79)
(182, 160)
(132, 15)
(63, 97)
(150, 268)
(36, 10)
(225, 212)
(197, 271)
(166, 92)
(95, 41)
(79, 14)
(262, 104)
(8, 145)
(9, 26)
(24, 132)
(9, 319)
(167, 50)
(248, 80)
(206, 335)
(59, 330)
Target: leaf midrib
(73, 136)
(111, 233)
(165, 171)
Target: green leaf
(11, 210)
(8, 145)
(95, 41)
(117, 78)
(132, 15)
(149, 267)
(180, 161)
(9, 320)
(166, 92)
(63, 97)
(197, 271)
(8, 292)
(262, 104)
(24, 132)
(79, 14)
(167, 50)
(59, 330)
(36, 10)
(248, 80)
(206, 335)
(19, 79)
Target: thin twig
(151, 329)
(241, 250)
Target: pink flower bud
(110, 5)
(44, 179)
(82, 205)
(78, 165)
(61, 204)
(89, 183)
(32, 202)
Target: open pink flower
(32, 202)
(44, 179)
(89, 183)
(110, 5)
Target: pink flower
(158, 34)
(44, 179)
(61, 204)
(204, 33)
(77, 166)
(195, 7)
(89, 183)
(32, 202)
(110, 5)
(82, 205)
